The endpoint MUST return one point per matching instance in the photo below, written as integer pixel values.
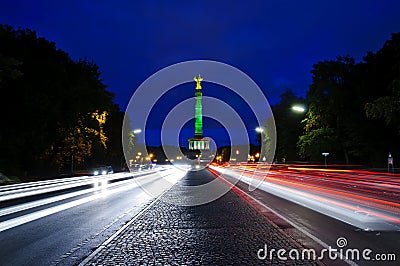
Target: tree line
(57, 115)
(353, 111)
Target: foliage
(348, 102)
(316, 141)
(330, 99)
(8, 69)
(101, 118)
(384, 67)
(288, 126)
(52, 104)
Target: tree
(288, 126)
(113, 129)
(382, 79)
(8, 69)
(348, 105)
(335, 117)
(384, 67)
(330, 100)
(78, 143)
(49, 100)
(316, 141)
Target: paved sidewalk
(224, 232)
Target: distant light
(259, 129)
(298, 108)
(137, 131)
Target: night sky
(274, 42)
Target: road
(178, 231)
(63, 232)
(62, 223)
(298, 198)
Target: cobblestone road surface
(224, 232)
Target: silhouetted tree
(329, 98)
(384, 68)
(288, 126)
(47, 105)
(344, 99)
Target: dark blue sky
(274, 42)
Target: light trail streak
(353, 196)
(384, 188)
(40, 187)
(101, 191)
(339, 194)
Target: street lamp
(132, 143)
(261, 134)
(325, 154)
(137, 131)
(259, 129)
(298, 108)
(390, 162)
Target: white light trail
(101, 191)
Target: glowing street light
(137, 131)
(259, 129)
(299, 108)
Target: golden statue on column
(198, 80)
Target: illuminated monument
(198, 142)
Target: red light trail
(358, 193)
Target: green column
(198, 133)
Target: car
(103, 170)
(145, 166)
(134, 167)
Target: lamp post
(132, 143)
(325, 154)
(259, 130)
(390, 162)
(141, 158)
